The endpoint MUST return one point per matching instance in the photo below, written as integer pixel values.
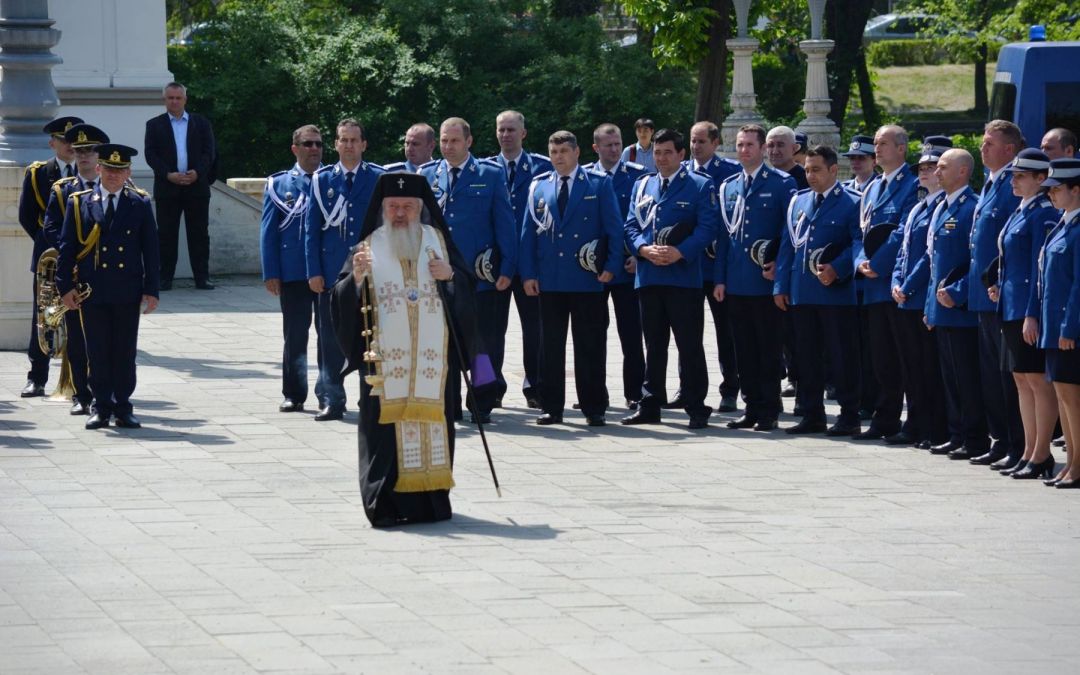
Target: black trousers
(958, 349)
(585, 314)
(528, 309)
(666, 311)
(827, 331)
(112, 334)
(298, 304)
(919, 361)
(491, 309)
(624, 299)
(999, 389)
(76, 355)
(725, 343)
(330, 387)
(883, 321)
(868, 394)
(196, 212)
(39, 361)
(757, 327)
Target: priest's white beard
(405, 241)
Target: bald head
(954, 169)
(1059, 143)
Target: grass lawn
(928, 88)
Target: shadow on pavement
(467, 525)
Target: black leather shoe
(128, 421)
(728, 404)
(1033, 470)
(165, 285)
(988, 458)
(797, 411)
(924, 445)
(289, 405)
(843, 429)
(1018, 466)
(547, 419)
(80, 408)
(498, 403)
(1058, 442)
(964, 452)
(807, 426)
(532, 402)
(631, 405)
(765, 425)
(788, 391)
(945, 448)
(326, 414)
(97, 421)
(1006, 463)
(676, 403)
(900, 438)
(576, 406)
(596, 421)
(642, 416)
(204, 285)
(698, 421)
(872, 433)
(31, 390)
(866, 414)
(744, 422)
(1068, 484)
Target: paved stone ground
(225, 537)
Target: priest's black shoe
(97, 421)
(807, 426)
(964, 452)
(548, 418)
(727, 404)
(765, 425)
(31, 390)
(900, 438)
(642, 416)
(843, 429)
(128, 421)
(676, 403)
(744, 422)
(204, 285)
(328, 413)
(1006, 463)
(289, 405)
(872, 433)
(988, 458)
(698, 421)
(80, 408)
(866, 414)
(596, 421)
(945, 448)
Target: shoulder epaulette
(275, 175)
(394, 167)
(376, 168)
(35, 165)
(1045, 203)
(537, 155)
(731, 178)
(490, 161)
(542, 176)
(800, 192)
(325, 169)
(65, 180)
(635, 165)
(80, 193)
(137, 190)
(431, 163)
(782, 173)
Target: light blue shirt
(644, 157)
(179, 130)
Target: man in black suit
(180, 149)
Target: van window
(1062, 105)
(1003, 101)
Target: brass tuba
(51, 324)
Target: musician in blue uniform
(33, 200)
(83, 139)
(419, 146)
(281, 244)
(110, 233)
(476, 205)
(814, 273)
(1059, 315)
(947, 251)
(1001, 141)
(339, 198)
(753, 206)
(571, 245)
(926, 424)
(860, 153)
(521, 167)
(607, 143)
(673, 217)
(885, 204)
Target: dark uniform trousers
(827, 332)
(667, 310)
(999, 389)
(196, 211)
(958, 349)
(758, 333)
(868, 392)
(624, 300)
(725, 343)
(39, 361)
(923, 386)
(586, 316)
(76, 355)
(883, 321)
(297, 307)
(112, 332)
(528, 309)
(330, 387)
(492, 311)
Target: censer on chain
(370, 333)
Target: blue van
(1037, 87)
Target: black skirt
(1018, 356)
(1063, 366)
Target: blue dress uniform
(670, 295)
(956, 327)
(551, 252)
(519, 177)
(824, 316)
(331, 228)
(476, 206)
(286, 201)
(996, 203)
(624, 299)
(752, 213)
(121, 265)
(887, 199)
(1059, 294)
(406, 166)
(1021, 240)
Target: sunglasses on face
(311, 144)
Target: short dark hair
(670, 135)
(710, 128)
(605, 129)
(352, 122)
(429, 133)
(306, 129)
(1065, 136)
(825, 152)
(754, 129)
(563, 137)
(644, 122)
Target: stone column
(743, 98)
(817, 104)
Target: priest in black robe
(404, 316)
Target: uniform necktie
(513, 172)
(110, 211)
(89, 185)
(663, 186)
(818, 199)
(348, 182)
(564, 195)
(986, 185)
(454, 176)
(748, 182)
(68, 172)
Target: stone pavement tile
(199, 659)
(44, 660)
(274, 651)
(543, 663)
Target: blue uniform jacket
(333, 221)
(1059, 290)
(529, 166)
(405, 166)
(281, 234)
(122, 265)
(623, 177)
(34, 199)
(53, 222)
(995, 205)
(718, 169)
(836, 221)
(947, 248)
(853, 186)
(1021, 240)
(690, 200)
(742, 222)
(478, 212)
(912, 270)
(550, 243)
(886, 205)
